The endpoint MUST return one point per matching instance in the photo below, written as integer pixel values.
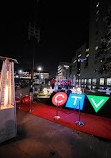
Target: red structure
(59, 99)
(26, 100)
(18, 102)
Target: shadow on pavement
(21, 134)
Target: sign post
(57, 117)
(79, 123)
(59, 99)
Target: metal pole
(83, 90)
(39, 78)
(57, 108)
(33, 62)
(57, 117)
(30, 105)
(79, 123)
(79, 112)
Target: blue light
(73, 101)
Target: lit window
(94, 81)
(97, 5)
(108, 81)
(66, 66)
(87, 55)
(74, 61)
(96, 48)
(89, 81)
(97, 12)
(87, 50)
(101, 81)
(79, 55)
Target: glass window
(89, 86)
(89, 81)
(79, 80)
(85, 81)
(101, 81)
(97, 5)
(87, 50)
(87, 55)
(96, 48)
(108, 81)
(94, 81)
(84, 86)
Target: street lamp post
(39, 69)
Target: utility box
(8, 126)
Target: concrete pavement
(41, 138)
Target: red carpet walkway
(95, 125)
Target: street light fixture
(20, 71)
(39, 69)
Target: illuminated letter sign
(59, 98)
(97, 101)
(73, 101)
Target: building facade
(92, 63)
(27, 75)
(63, 71)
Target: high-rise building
(63, 71)
(96, 69)
(100, 37)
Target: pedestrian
(56, 86)
(53, 83)
(66, 84)
(31, 91)
(69, 84)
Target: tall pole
(33, 60)
(34, 33)
(39, 78)
(39, 69)
(79, 123)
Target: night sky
(63, 26)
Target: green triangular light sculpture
(97, 101)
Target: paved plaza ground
(41, 138)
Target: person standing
(53, 83)
(31, 91)
(69, 84)
(56, 86)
